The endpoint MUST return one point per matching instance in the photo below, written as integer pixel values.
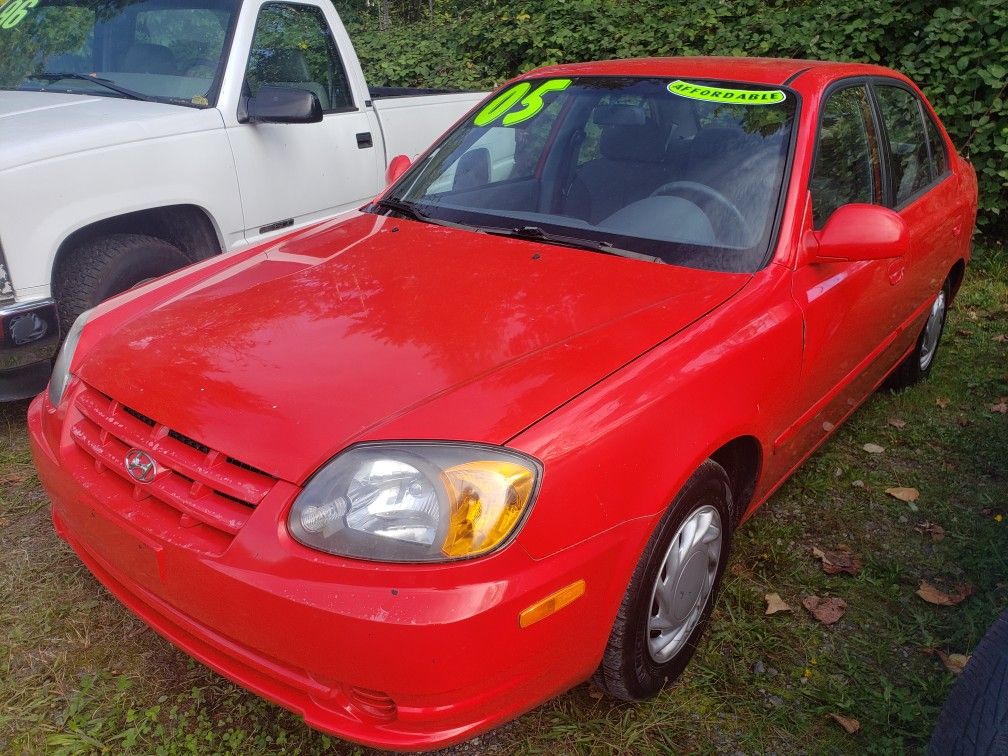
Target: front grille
(206, 494)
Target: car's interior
(700, 179)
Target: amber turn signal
(551, 604)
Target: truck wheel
(974, 718)
(672, 591)
(109, 265)
(917, 366)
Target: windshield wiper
(403, 207)
(535, 233)
(54, 77)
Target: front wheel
(671, 594)
(109, 265)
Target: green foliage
(957, 50)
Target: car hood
(43, 125)
(374, 328)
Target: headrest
(642, 144)
(619, 115)
(144, 57)
(286, 64)
(719, 139)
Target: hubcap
(932, 331)
(684, 583)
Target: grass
(78, 673)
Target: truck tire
(974, 719)
(109, 265)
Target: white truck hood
(38, 126)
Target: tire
(974, 719)
(632, 668)
(109, 265)
(917, 366)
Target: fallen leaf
(3, 522)
(963, 332)
(775, 604)
(938, 597)
(13, 478)
(873, 448)
(933, 529)
(858, 484)
(841, 560)
(954, 663)
(942, 402)
(825, 609)
(995, 514)
(594, 693)
(896, 422)
(1001, 405)
(1001, 338)
(903, 493)
(849, 724)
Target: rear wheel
(109, 265)
(917, 366)
(671, 594)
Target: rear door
(921, 189)
(291, 174)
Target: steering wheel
(694, 187)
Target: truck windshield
(688, 172)
(162, 50)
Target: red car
(414, 471)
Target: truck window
(294, 48)
(169, 52)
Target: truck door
(292, 174)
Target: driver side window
(847, 167)
(293, 48)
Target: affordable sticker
(531, 101)
(719, 94)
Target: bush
(958, 52)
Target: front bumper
(391, 656)
(29, 339)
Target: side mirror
(396, 168)
(861, 232)
(283, 105)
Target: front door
(291, 174)
(851, 309)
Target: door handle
(896, 271)
(364, 140)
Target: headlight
(415, 502)
(61, 368)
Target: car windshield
(163, 50)
(687, 172)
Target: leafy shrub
(957, 51)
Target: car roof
(755, 70)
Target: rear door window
(909, 158)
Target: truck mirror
(283, 105)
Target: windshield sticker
(13, 12)
(718, 94)
(500, 107)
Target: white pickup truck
(138, 136)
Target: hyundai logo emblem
(141, 466)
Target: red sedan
(414, 471)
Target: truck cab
(137, 137)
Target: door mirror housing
(861, 232)
(396, 168)
(283, 105)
